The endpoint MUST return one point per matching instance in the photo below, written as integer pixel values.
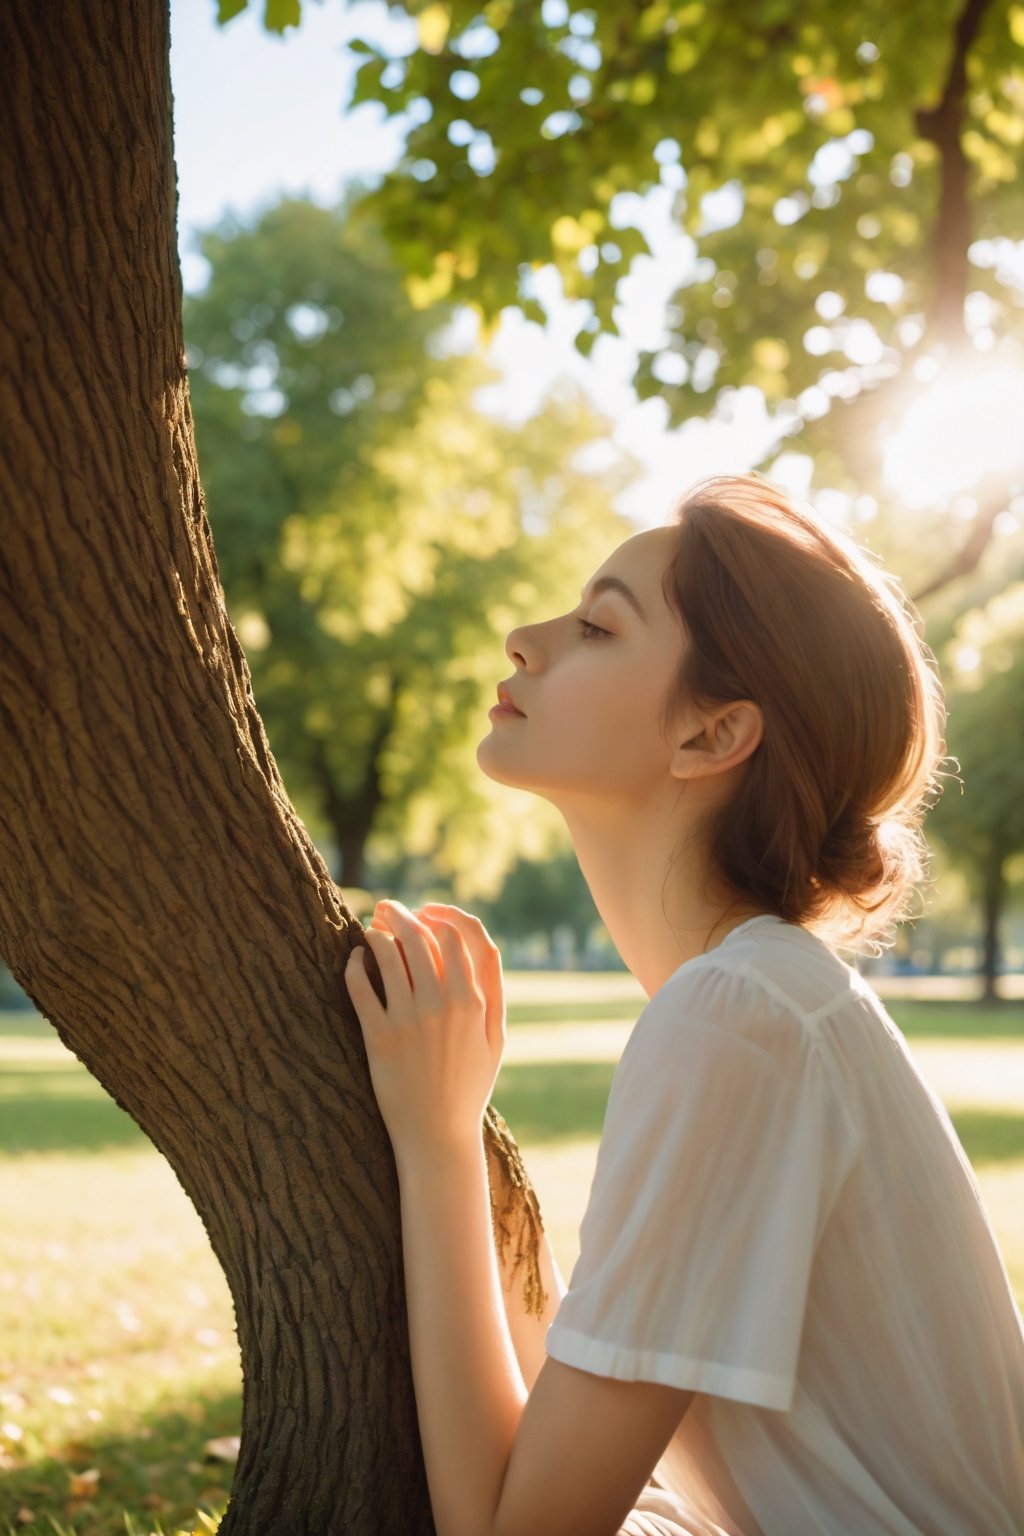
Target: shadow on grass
(616, 1012)
(554, 1100)
(27, 1022)
(989, 1136)
(565, 1101)
(942, 1019)
(60, 1109)
(156, 1473)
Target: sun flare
(962, 427)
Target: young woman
(789, 1316)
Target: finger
(487, 965)
(390, 962)
(485, 954)
(472, 929)
(385, 911)
(492, 981)
(361, 990)
(379, 925)
(458, 962)
(420, 950)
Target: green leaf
(227, 9)
(280, 14)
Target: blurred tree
(376, 532)
(981, 823)
(849, 179)
(304, 354)
(540, 895)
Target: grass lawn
(118, 1363)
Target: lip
(505, 705)
(505, 709)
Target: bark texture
(159, 899)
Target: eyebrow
(616, 584)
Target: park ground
(119, 1370)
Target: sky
(257, 116)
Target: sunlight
(960, 429)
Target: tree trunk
(161, 903)
(351, 816)
(351, 845)
(993, 896)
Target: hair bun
(852, 856)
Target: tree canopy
(849, 179)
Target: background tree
(981, 821)
(378, 533)
(161, 902)
(540, 895)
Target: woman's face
(591, 701)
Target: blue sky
(257, 115)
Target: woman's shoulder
(769, 960)
(768, 981)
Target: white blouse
(783, 1219)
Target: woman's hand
(435, 1049)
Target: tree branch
(992, 499)
(951, 235)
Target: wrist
(434, 1162)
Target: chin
(488, 766)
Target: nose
(514, 645)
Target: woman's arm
(570, 1457)
(470, 1391)
(527, 1329)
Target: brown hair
(825, 828)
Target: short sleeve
(723, 1151)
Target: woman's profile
(789, 1313)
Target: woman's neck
(653, 894)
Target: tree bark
(993, 898)
(160, 901)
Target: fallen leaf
(25, 1516)
(83, 1485)
(225, 1448)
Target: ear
(724, 738)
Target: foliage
(540, 895)
(377, 532)
(531, 120)
(985, 698)
(847, 179)
(277, 14)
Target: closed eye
(589, 631)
